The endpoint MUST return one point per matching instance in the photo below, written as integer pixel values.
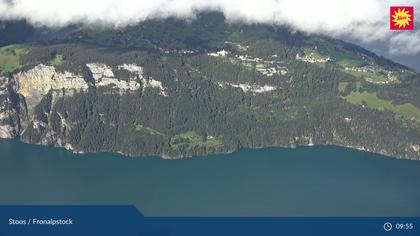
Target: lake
(305, 181)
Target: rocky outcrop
(20, 94)
(6, 129)
(103, 76)
(249, 88)
(146, 82)
(3, 85)
(9, 107)
(35, 83)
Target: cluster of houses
(389, 76)
(311, 58)
(267, 68)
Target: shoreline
(166, 156)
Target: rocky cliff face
(34, 84)
(22, 94)
(7, 127)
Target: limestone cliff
(7, 127)
(23, 92)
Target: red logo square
(402, 18)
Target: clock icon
(387, 226)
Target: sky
(362, 21)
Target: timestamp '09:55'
(404, 226)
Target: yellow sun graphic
(401, 18)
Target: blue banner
(127, 220)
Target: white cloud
(405, 43)
(364, 20)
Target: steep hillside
(174, 88)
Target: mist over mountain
(364, 20)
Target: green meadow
(371, 100)
(10, 57)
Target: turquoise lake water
(306, 181)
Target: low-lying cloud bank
(364, 20)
